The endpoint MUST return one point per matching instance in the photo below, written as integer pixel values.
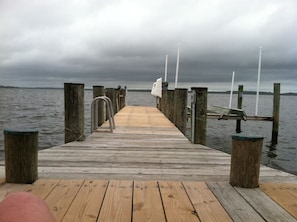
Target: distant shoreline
(148, 90)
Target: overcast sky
(111, 42)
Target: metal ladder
(95, 111)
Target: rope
(81, 136)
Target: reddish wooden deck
(126, 200)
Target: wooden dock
(148, 171)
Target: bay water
(43, 109)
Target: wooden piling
(99, 91)
(21, 161)
(166, 103)
(158, 102)
(180, 109)
(275, 115)
(111, 94)
(245, 160)
(169, 110)
(199, 115)
(74, 112)
(165, 85)
(117, 99)
(122, 98)
(163, 101)
(239, 106)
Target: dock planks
(144, 146)
(144, 201)
(117, 205)
(148, 171)
(205, 203)
(284, 194)
(147, 202)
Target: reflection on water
(43, 109)
(271, 153)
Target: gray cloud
(48, 42)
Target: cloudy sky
(124, 42)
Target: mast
(177, 66)
(231, 91)
(258, 82)
(166, 62)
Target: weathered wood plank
(123, 157)
(202, 173)
(139, 154)
(117, 204)
(130, 164)
(238, 209)
(156, 161)
(198, 156)
(62, 196)
(216, 170)
(128, 133)
(87, 203)
(163, 177)
(176, 203)
(283, 194)
(147, 203)
(264, 205)
(205, 203)
(155, 147)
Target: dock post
(21, 161)
(199, 115)
(167, 103)
(117, 99)
(164, 101)
(276, 107)
(122, 98)
(74, 112)
(99, 91)
(169, 110)
(158, 102)
(180, 109)
(245, 160)
(111, 94)
(239, 106)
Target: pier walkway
(147, 170)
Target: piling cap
(249, 137)
(20, 131)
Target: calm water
(43, 109)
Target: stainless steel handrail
(94, 113)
